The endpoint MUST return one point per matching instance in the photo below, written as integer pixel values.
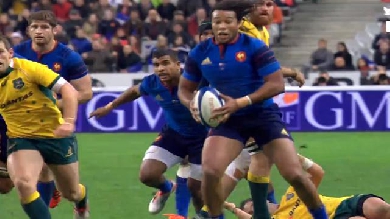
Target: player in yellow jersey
(38, 132)
(362, 206)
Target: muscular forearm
(69, 111)
(268, 90)
(288, 72)
(82, 97)
(129, 95)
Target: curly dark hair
(240, 7)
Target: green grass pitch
(354, 163)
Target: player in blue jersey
(182, 194)
(248, 75)
(44, 49)
(180, 137)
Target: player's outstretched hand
(195, 112)
(100, 112)
(300, 77)
(64, 130)
(223, 113)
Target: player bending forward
(43, 48)
(38, 132)
(181, 136)
(247, 74)
(362, 206)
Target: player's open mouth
(39, 38)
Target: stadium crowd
(324, 60)
(109, 34)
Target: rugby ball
(206, 100)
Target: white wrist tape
(307, 164)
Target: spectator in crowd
(91, 25)
(154, 25)
(278, 19)
(16, 38)
(383, 79)
(340, 65)
(324, 79)
(81, 7)
(181, 48)
(74, 22)
(382, 55)
(380, 37)
(178, 17)
(178, 31)
(109, 25)
(144, 6)
(321, 59)
(100, 59)
(166, 10)
(61, 10)
(189, 7)
(23, 22)
(134, 26)
(128, 59)
(364, 69)
(342, 51)
(4, 23)
(60, 35)
(80, 42)
(195, 20)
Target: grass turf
(354, 163)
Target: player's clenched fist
(101, 111)
(64, 130)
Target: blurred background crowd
(118, 35)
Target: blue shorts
(3, 141)
(264, 126)
(170, 147)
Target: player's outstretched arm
(315, 170)
(129, 95)
(295, 74)
(240, 214)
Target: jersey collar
(9, 69)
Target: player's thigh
(61, 157)
(221, 147)
(24, 162)
(165, 152)
(46, 174)
(6, 183)
(373, 207)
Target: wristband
(249, 99)
(307, 164)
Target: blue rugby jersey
(61, 60)
(177, 116)
(237, 69)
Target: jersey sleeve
(42, 75)
(144, 86)
(192, 71)
(264, 60)
(75, 67)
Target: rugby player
(181, 136)
(362, 206)
(38, 132)
(182, 195)
(43, 48)
(248, 75)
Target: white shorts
(239, 167)
(170, 160)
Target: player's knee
(212, 170)
(148, 178)
(72, 195)
(24, 184)
(382, 211)
(294, 176)
(6, 186)
(45, 175)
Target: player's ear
(11, 52)
(55, 29)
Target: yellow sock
(82, 192)
(205, 208)
(258, 179)
(34, 196)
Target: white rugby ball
(206, 100)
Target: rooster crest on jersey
(206, 100)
